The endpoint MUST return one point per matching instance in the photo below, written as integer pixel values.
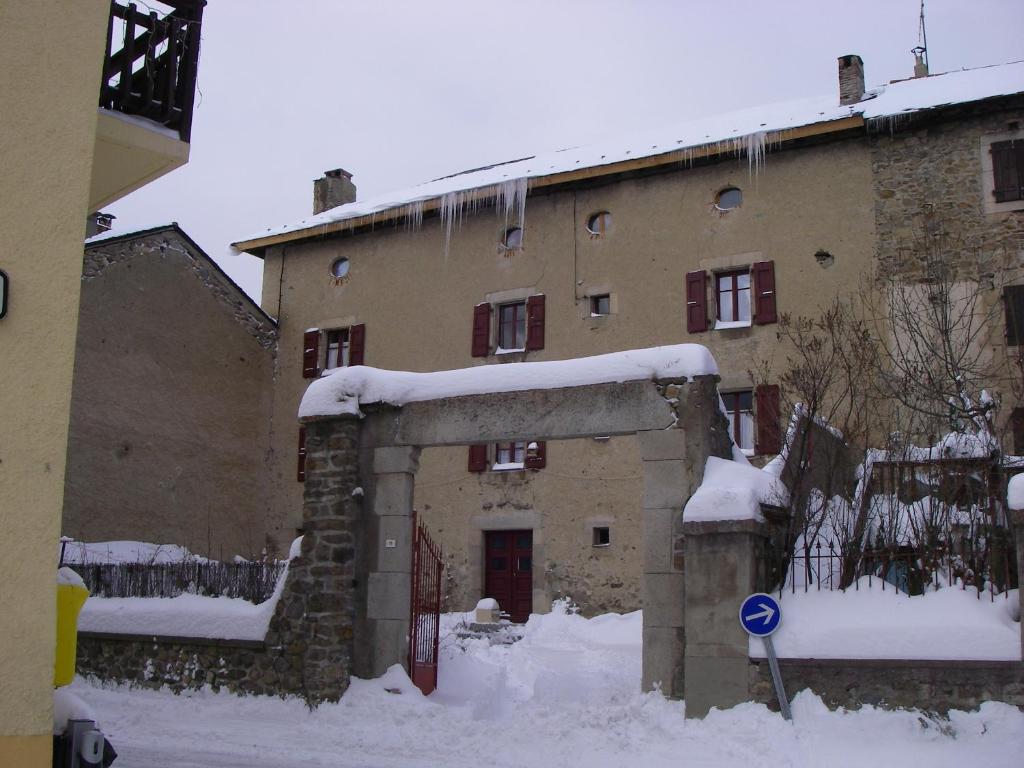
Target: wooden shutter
(477, 458)
(535, 322)
(1007, 170)
(764, 292)
(310, 353)
(696, 302)
(1013, 305)
(481, 330)
(769, 436)
(301, 475)
(540, 460)
(356, 344)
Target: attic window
(729, 198)
(599, 223)
(512, 240)
(339, 268)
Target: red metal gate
(425, 618)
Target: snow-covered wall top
(733, 491)
(1015, 492)
(341, 390)
(745, 130)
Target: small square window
(509, 456)
(600, 305)
(602, 536)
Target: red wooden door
(509, 571)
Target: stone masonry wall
(308, 649)
(935, 686)
(927, 178)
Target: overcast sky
(403, 91)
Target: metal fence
(251, 581)
(991, 568)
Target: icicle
(890, 123)
(507, 197)
(413, 214)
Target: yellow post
(71, 596)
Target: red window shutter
(477, 458)
(696, 302)
(764, 292)
(1007, 170)
(356, 344)
(769, 436)
(481, 330)
(540, 460)
(535, 322)
(310, 354)
(301, 475)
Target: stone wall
(936, 686)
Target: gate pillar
(388, 559)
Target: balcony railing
(151, 62)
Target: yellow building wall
(50, 57)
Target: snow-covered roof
(747, 131)
(341, 390)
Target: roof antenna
(920, 51)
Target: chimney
(334, 189)
(851, 79)
(97, 223)
(920, 62)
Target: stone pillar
(388, 559)
(311, 632)
(1017, 521)
(725, 561)
(673, 466)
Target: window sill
(724, 325)
(748, 452)
(503, 351)
(511, 466)
(600, 546)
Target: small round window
(339, 268)
(599, 223)
(513, 238)
(729, 198)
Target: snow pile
(1015, 492)
(871, 623)
(749, 132)
(566, 695)
(733, 491)
(102, 552)
(69, 706)
(68, 577)
(342, 390)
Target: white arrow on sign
(766, 614)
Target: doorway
(508, 571)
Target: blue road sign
(760, 614)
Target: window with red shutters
(481, 330)
(766, 419)
(696, 302)
(732, 296)
(1008, 170)
(477, 458)
(311, 353)
(338, 349)
(535, 322)
(301, 474)
(764, 292)
(357, 344)
(512, 326)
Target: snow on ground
(872, 623)
(341, 390)
(97, 552)
(567, 694)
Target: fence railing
(992, 569)
(251, 581)
(151, 63)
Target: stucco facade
(173, 373)
(416, 301)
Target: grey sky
(399, 91)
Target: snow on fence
(253, 581)
(904, 570)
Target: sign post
(760, 616)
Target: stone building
(705, 233)
(174, 369)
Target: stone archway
(361, 467)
